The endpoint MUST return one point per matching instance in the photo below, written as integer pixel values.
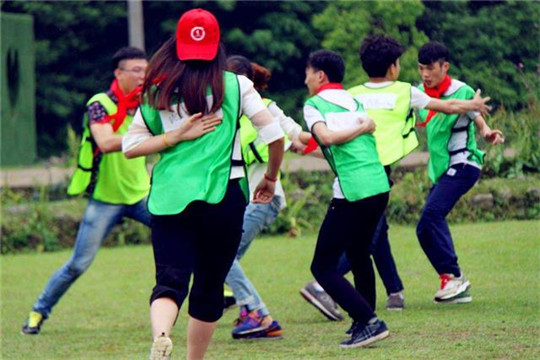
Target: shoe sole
(394, 308)
(313, 301)
(273, 335)
(465, 287)
(161, 349)
(366, 342)
(462, 297)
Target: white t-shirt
(250, 103)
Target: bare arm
(195, 127)
(455, 106)
(105, 137)
(328, 137)
(494, 137)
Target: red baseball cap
(197, 35)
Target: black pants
(203, 240)
(349, 227)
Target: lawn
(105, 314)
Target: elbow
(106, 149)
(326, 140)
(130, 154)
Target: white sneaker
(161, 348)
(453, 287)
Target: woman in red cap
(191, 117)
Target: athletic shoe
(256, 326)
(452, 288)
(363, 336)
(462, 298)
(395, 302)
(242, 316)
(228, 302)
(354, 325)
(316, 296)
(32, 325)
(161, 348)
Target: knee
(206, 306)
(77, 268)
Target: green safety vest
(111, 177)
(355, 163)
(439, 131)
(395, 132)
(251, 150)
(197, 169)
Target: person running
(390, 103)
(117, 187)
(360, 193)
(254, 321)
(454, 167)
(191, 118)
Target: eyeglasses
(136, 70)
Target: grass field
(105, 314)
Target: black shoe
(354, 325)
(363, 336)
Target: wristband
(269, 178)
(164, 140)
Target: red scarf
(330, 86)
(125, 102)
(436, 93)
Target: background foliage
(494, 45)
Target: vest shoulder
(459, 87)
(102, 98)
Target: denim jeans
(256, 218)
(98, 220)
(384, 261)
(432, 229)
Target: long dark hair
(171, 80)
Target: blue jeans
(256, 218)
(98, 220)
(384, 261)
(432, 229)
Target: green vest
(395, 120)
(251, 150)
(439, 131)
(355, 163)
(111, 177)
(197, 169)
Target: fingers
(478, 93)
(195, 117)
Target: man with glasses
(117, 187)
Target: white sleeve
(312, 116)
(253, 107)
(289, 126)
(136, 134)
(419, 99)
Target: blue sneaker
(363, 336)
(256, 326)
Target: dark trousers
(432, 229)
(384, 261)
(349, 227)
(202, 240)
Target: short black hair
(239, 64)
(328, 61)
(378, 53)
(127, 53)
(432, 52)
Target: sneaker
(316, 296)
(241, 317)
(354, 325)
(256, 326)
(32, 325)
(395, 301)
(453, 289)
(228, 302)
(161, 348)
(363, 336)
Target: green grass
(105, 313)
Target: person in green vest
(454, 167)
(117, 187)
(255, 321)
(191, 117)
(360, 193)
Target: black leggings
(203, 240)
(349, 227)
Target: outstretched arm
(329, 137)
(494, 137)
(455, 106)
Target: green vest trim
(395, 133)
(355, 163)
(439, 131)
(198, 169)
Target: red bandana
(125, 102)
(436, 93)
(330, 86)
